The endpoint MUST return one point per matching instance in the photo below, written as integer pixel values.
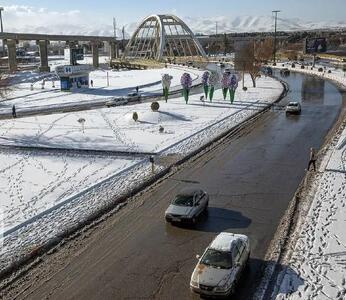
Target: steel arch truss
(160, 36)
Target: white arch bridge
(160, 36)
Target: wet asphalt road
(250, 179)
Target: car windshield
(183, 200)
(217, 259)
(293, 104)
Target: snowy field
(120, 84)
(34, 181)
(317, 261)
(186, 128)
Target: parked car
(116, 102)
(293, 108)
(221, 265)
(187, 206)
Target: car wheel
(206, 207)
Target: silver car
(187, 206)
(116, 102)
(220, 267)
(293, 108)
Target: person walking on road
(92, 83)
(313, 159)
(14, 114)
(137, 89)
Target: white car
(293, 108)
(116, 102)
(187, 206)
(221, 265)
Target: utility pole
(216, 28)
(275, 27)
(2, 30)
(115, 28)
(123, 41)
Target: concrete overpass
(42, 40)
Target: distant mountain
(254, 24)
(198, 25)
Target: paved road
(251, 179)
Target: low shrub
(155, 106)
(135, 116)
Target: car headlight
(194, 283)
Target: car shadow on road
(219, 219)
(256, 279)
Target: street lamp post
(275, 27)
(2, 30)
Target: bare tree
(251, 55)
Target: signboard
(73, 54)
(315, 45)
(69, 70)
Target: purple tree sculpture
(225, 84)
(233, 84)
(166, 83)
(205, 78)
(212, 82)
(186, 82)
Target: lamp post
(2, 30)
(275, 27)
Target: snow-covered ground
(34, 181)
(120, 84)
(316, 263)
(114, 129)
(186, 128)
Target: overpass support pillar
(114, 53)
(11, 49)
(72, 45)
(95, 52)
(43, 49)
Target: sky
(26, 15)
